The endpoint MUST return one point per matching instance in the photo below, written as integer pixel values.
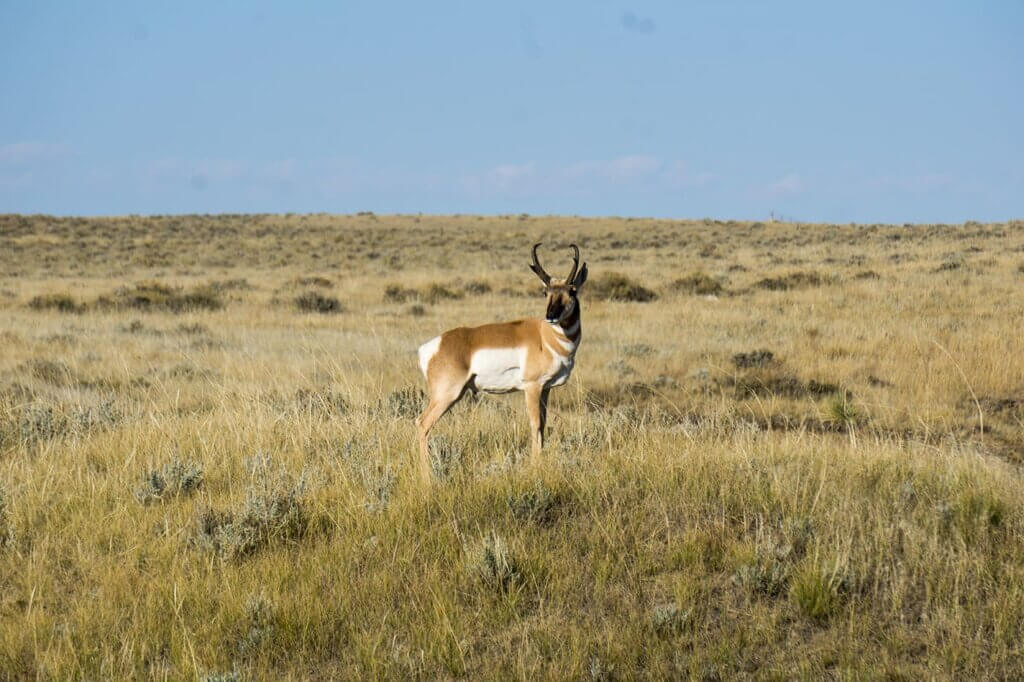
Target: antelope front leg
(536, 408)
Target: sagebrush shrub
(765, 575)
(315, 302)
(754, 358)
(274, 511)
(439, 292)
(258, 626)
(698, 284)
(89, 418)
(405, 403)
(614, 286)
(148, 296)
(53, 372)
(795, 280)
(476, 287)
(38, 422)
(491, 562)
(445, 458)
(63, 303)
(537, 504)
(326, 403)
(668, 618)
(6, 526)
(176, 478)
(396, 293)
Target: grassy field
(787, 451)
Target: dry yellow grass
(192, 490)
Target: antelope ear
(581, 277)
(540, 273)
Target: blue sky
(842, 112)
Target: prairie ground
(786, 451)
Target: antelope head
(563, 303)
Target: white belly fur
(498, 370)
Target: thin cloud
(28, 153)
(678, 175)
(625, 170)
(203, 173)
(787, 185)
(637, 24)
(638, 172)
(917, 184)
(28, 164)
(342, 177)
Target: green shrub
(819, 590)
(841, 411)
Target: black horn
(537, 268)
(575, 263)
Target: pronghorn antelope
(525, 355)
